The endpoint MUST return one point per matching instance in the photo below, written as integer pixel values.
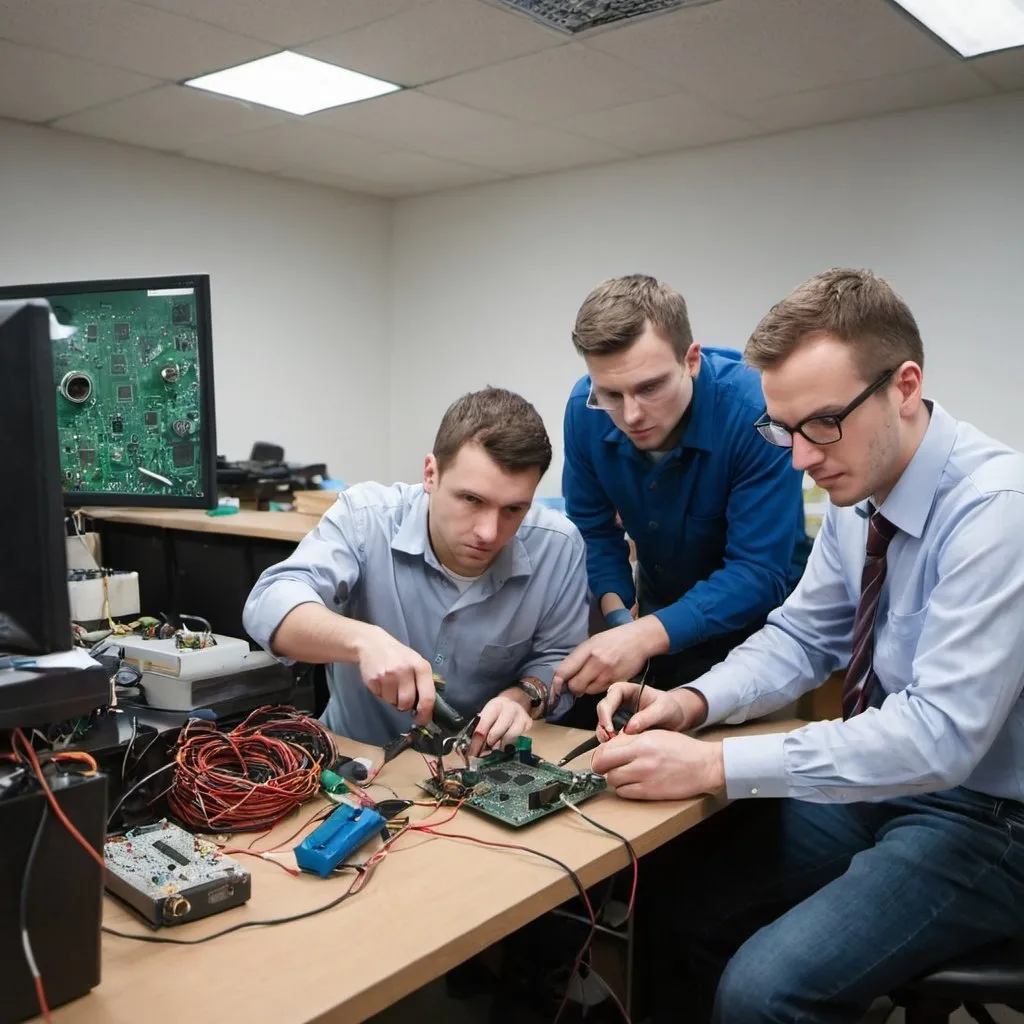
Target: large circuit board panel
(134, 404)
(515, 787)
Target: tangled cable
(251, 777)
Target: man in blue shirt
(899, 839)
(458, 576)
(659, 445)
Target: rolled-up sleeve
(324, 569)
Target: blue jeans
(791, 911)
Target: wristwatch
(535, 690)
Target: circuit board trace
(129, 398)
(515, 787)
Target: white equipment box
(175, 678)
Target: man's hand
(660, 766)
(503, 719)
(677, 710)
(614, 654)
(396, 673)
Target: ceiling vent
(579, 15)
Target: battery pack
(340, 835)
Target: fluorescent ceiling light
(289, 81)
(972, 27)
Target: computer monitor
(34, 615)
(133, 388)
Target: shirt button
(753, 792)
(653, 525)
(439, 659)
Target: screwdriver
(619, 720)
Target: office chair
(992, 974)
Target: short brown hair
(852, 305)
(616, 313)
(503, 423)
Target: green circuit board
(515, 788)
(129, 408)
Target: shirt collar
(413, 538)
(700, 429)
(910, 501)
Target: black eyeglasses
(816, 429)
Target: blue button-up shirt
(948, 641)
(370, 559)
(715, 522)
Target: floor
(431, 1004)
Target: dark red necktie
(860, 676)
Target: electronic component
(515, 786)
(340, 835)
(169, 876)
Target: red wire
(44, 1007)
(65, 821)
(250, 778)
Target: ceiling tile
(552, 84)
(286, 24)
(400, 173)
(1005, 69)
(170, 117)
(434, 40)
(661, 125)
(38, 86)
(127, 35)
(295, 144)
(930, 87)
(749, 49)
(412, 120)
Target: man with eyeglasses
(867, 850)
(659, 446)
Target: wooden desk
(431, 904)
(286, 526)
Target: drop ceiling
(490, 93)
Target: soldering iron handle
(446, 716)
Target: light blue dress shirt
(949, 641)
(370, 559)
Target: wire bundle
(251, 777)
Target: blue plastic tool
(340, 835)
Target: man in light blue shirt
(904, 844)
(459, 576)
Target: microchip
(149, 419)
(86, 456)
(117, 425)
(181, 313)
(546, 796)
(498, 776)
(118, 364)
(523, 779)
(169, 851)
(91, 332)
(122, 331)
(124, 392)
(184, 454)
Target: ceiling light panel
(293, 82)
(971, 27)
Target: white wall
(486, 281)
(298, 280)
